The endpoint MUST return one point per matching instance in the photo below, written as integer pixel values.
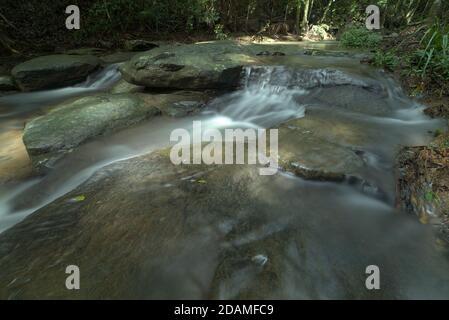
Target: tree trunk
(311, 10)
(248, 11)
(305, 16)
(286, 13)
(298, 15)
(326, 11)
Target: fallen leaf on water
(78, 198)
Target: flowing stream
(347, 226)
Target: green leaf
(78, 198)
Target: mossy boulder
(214, 65)
(49, 137)
(54, 71)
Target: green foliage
(427, 58)
(386, 59)
(433, 58)
(431, 196)
(104, 16)
(219, 32)
(320, 30)
(107, 17)
(437, 133)
(113, 19)
(360, 38)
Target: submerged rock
(306, 152)
(49, 137)
(54, 71)
(144, 200)
(162, 231)
(359, 99)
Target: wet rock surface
(180, 103)
(221, 232)
(123, 86)
(312, 157)
(184, 108)
(352, 99)
(158, 206)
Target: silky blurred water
(344, 227)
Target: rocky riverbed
(96, 187)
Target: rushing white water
(19, 105)
(26, 102)
(259, 102)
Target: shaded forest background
(41, 24)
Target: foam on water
(261, 103)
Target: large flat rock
(144, 228)
(219, 64)
(196, 66)
(49, 137)
(309, 150)
(146, 200)
(54, 71)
